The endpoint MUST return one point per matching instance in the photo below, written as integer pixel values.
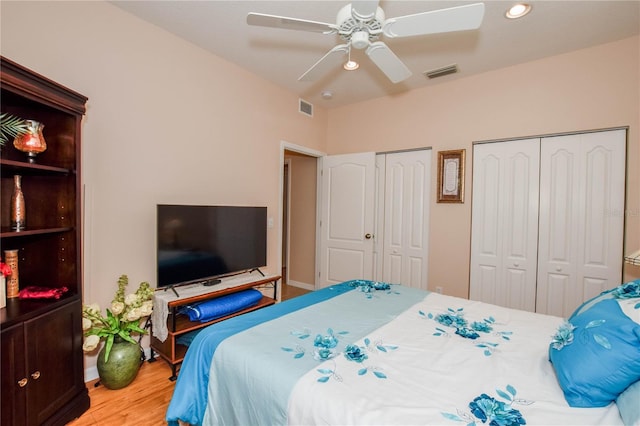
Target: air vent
(306, 108)
(439, 72)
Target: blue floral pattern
(487, 409)
(358, 354)
(370, 287)
(324, 349)
(323, 346)
(563, 337)
(630, 290)
(454, 318)
(355, 353)
(566, 331)
(599, 338)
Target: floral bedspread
(444, 361)
(382, 355)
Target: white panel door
(347, 213)
(582, 181)
(505, 223)
(378, 219)
(406, 218)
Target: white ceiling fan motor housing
(360, 32)
(360, 39)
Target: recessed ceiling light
(351, 65)
(518, 10)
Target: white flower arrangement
(123, 319)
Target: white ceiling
(281, 56)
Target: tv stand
(178, 324)
(173, 289)
(206, 283)
(257, 269)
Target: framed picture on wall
(451, 176)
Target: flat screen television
(202, 243)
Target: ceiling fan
(360, 25)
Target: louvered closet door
(582, 181)
(504, 232)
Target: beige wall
(584, 90)
(166, 122)
(302, 247)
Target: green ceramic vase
(124, 362)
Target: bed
(365, 352)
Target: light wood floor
(145, 401)
(289, 291)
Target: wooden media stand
(178, 324)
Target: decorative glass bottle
(18, 212)
(32, 141)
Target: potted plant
(120, 357)
(11, 127)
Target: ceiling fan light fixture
(518, 10)
(351, 65)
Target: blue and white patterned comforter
(392, 355)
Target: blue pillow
(221, 306)
(599, 358)
(608, 294)
(622, 293)
(629, 405)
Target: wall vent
(439, 72)
(305, 107)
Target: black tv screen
(198, 243)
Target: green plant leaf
(107, 348)
(10, 127)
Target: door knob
(368, 236)
(36, 375)
(22, 383)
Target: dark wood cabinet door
(54, 362)
(13, 400)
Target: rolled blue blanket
(221, 306)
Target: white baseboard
(91, 373)
(305, 286)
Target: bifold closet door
(504, 234)
(582, 183)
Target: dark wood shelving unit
(42, 360)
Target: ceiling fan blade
(388, 62)
(364, 9)
(468, 17)
(273, 21)
(331, 59)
